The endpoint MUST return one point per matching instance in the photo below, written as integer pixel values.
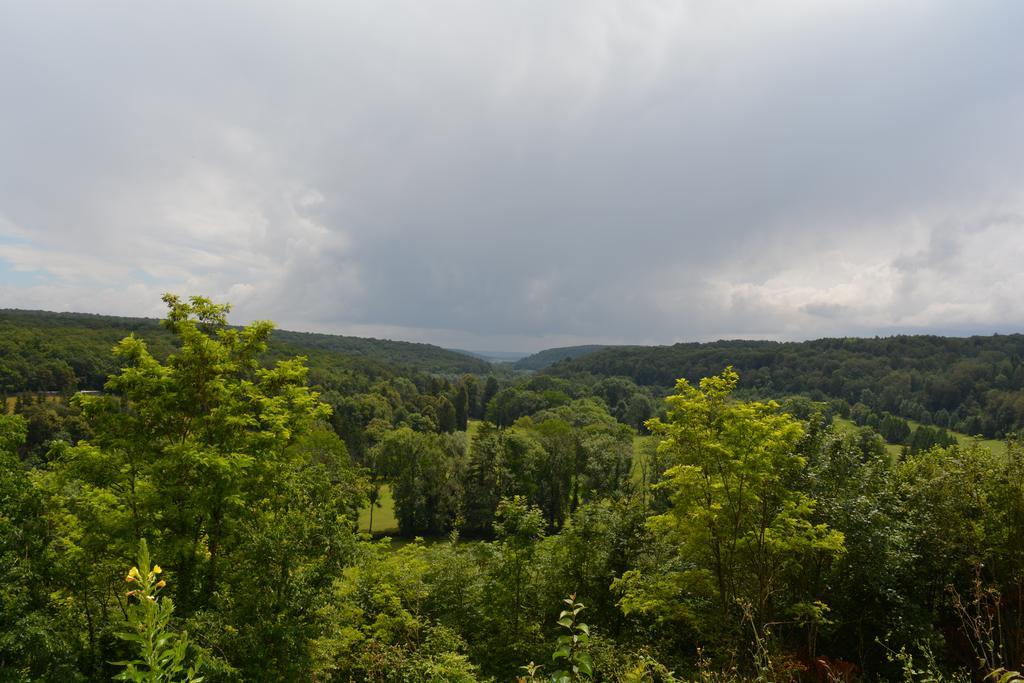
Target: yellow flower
(133, 575)
(156, 569)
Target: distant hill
(548, 357)
(41, 350)
(974, 385)
(494, 356)
(423, 357)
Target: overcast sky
(520, 175)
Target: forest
(184, 500)
(973, 385)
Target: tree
(34, 641)
(894, 429)
(638, 410)
(518, 526)
(461, 407)
(211, 455)
(740, 525)
(490, 389)
(201, 433)
(473, 396)
(484, 479)
(447, 416)
(425, 474)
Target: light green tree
(739, 524)
(216, 458)
(186, 443)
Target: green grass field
(12, 401)
(996, 446)
(383, 516)
(640, 444)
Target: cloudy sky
(519, 175)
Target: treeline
(62, 352)
(548, 357)
(973, 385)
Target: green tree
(447, 416)
(213, 456)
(518, 527)
(461, 407)
(36, 641)
(425, 471)
(741, 527)
(203, 432)
(490, 389)
(638, 410)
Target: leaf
(585, 663)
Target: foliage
(973, 385)
(570, 649)
(425, 472)
(739, 541)
(44, 351)
(548, 357)
(741, 528)
(572, 645)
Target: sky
(520, 175)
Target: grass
(995, 445)
(640, 445)
(12, 401)
(472, 428)
(845, 426)
(384, 521)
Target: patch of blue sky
(9, 275)
(140, 275)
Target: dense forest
(195, 516)
(972, 385)
(44, 351)
(548, 357)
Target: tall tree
(738, 520)
(447, 416)
(196, 453)
(473, 396)
(461, 407)
(490, 389)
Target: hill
(493, 356)
(412, 355)
(46, 351)
(974, 385)
(548, 357)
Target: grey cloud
(521, 173)
(824, 309)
